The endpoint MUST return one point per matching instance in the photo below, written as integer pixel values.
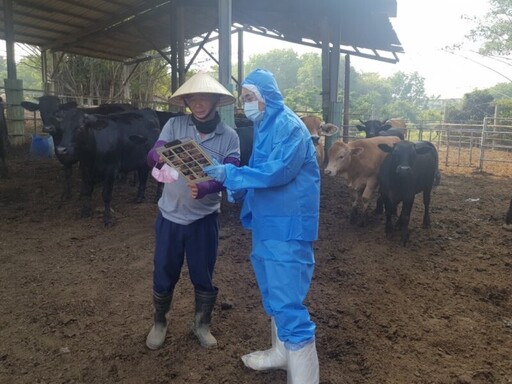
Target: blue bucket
(42, 146)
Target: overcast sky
(424, 29)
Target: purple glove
(153, 157)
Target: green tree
(283, 63)
(475, 106)
(102, 80)
(494, 29)
(369, 94)
(306, 95)
(29, 70)
(501, 91)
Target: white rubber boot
(205, 302)
(156, 336)
(273, 358)
(303, 365)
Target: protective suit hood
(267, 86)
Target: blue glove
(217, 171)
(235, 196)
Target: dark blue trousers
(198, 241)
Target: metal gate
(483, 147)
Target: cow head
(340, 156)
(73, 124)
(318, 128)
(373, 127)
(402, 156)
(49, 108)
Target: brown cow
(317, 128)
(359, 162)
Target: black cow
(107, 145)
(374, 128)
(389, 127)
(50, 107)
(164, 116)
(508, 218)
(245, 134)
(409, 168)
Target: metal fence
(480, 147)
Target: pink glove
(165, 174)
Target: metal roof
(126, 29)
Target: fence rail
(482, 147)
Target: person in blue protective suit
(187, 222)
(280, 189)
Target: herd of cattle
(113, 139)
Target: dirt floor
(75, 297)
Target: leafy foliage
(495, 29)
(475, 106)
(103, 80)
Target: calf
(107, 145)
(508, 218)
(317, 128)
(50, 109)
(409, 169)
(388, 127)
(359, 162)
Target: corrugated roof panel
(129, 28)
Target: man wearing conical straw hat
(187, 223)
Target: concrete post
(15, 112)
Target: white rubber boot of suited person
(273, 358)
(303, 365)
(156, 336)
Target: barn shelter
(125, 30)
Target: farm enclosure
(76, 297)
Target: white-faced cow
(107, 145)
(387, 127)
(359, 162)
(508, 218)
(49, 108)
(409, 169)
(318, 129)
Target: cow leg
(66, 193)
(368, 192)
(353, 211)
(108, 187)
(426, 205)
(379, 207)
(403, 220)
(390, 207)
(141, 190)
(86, 192)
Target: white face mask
(252, 111)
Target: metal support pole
(227, 113)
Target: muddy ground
(75, 298)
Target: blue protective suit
(281, 207)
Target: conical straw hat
(202, 83)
